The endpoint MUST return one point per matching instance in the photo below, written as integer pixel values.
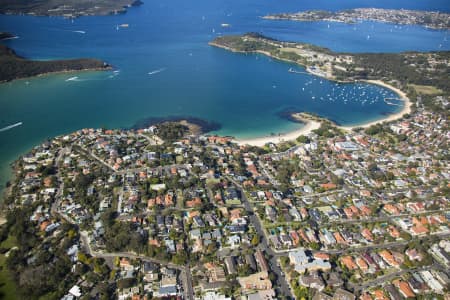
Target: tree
(284, 261)
(314, 246)
(303, 139)
(255, 240)
(180, 258)
(406, 236)
(126, 283)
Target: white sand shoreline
(308, 127)
(393, 117)
(311, 125)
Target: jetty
(296, 72)
(389, 101)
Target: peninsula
(408, 74)
(68, 9)
(430, 19)
(14, 67)
(412, 72)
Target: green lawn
(7, 286)
(426, 89)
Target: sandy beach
(311, 125)
(405, 110)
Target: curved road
(280, 283)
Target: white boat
(225, 25)
(72, 78)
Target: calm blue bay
(164, 67)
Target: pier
(296, 72)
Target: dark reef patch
(205, 125)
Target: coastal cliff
(13, 66)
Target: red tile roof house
(404, 288)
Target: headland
(67, 9)
(14, 67)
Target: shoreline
(407, 104)
(313, 124)
(108, 68)
(309, 126)
(197, 125)
(292, 135)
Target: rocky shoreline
(195, 125)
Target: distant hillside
(15, 67)
(67, 8)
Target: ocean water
(163, 66)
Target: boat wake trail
(156, 71)
(10, 126)
(75, 78)
(114, 74)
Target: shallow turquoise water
(244, 93)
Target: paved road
(387, 278)
(280, 253)
(54, 209)
(280, 283)
(89, 153)
(272, 180)
(185, 271)
(153, 140)
(386, 218)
